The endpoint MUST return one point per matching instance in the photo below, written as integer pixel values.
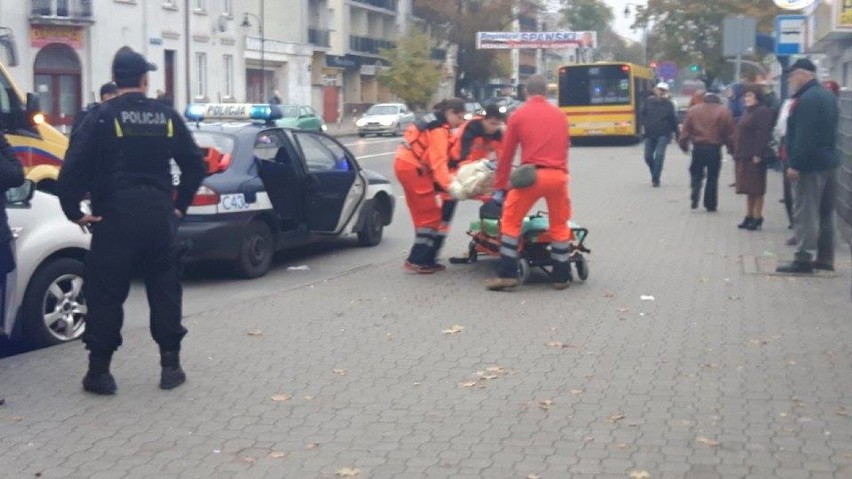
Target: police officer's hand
(498, 197)
(756, 160)
(86, 222)
(178, 213)
(792, 174)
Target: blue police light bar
(232, 111)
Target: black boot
(755, 225)
(98, 380)
(746, 223)
(797, 266)
(171, 375)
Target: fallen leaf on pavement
(640, 475)
(348, 472)
(282, 397)
(467, 384)
(706, 441)
(556, 344)
(646, 297)
(309, 398)
(533, 476)
(340, 371)
(453, 329)
(576, 392)
(615, 417)
(277, 454)
(623, 310)
(312, 445)
(546, 404)
(254, 332)
(248, 459)
(489, 376)
(494, 369)
(622, 445)
(609, 295)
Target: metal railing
(368, 45)
(319, 37)
(62, 8)
(386, 4)
(844, 173)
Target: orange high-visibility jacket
(426, 145)
(471, 143)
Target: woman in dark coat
(752, 136)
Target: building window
(229, 75)
(169, 4)
(199, 5)
(227, 8)
(200, 74)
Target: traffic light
(695, 68)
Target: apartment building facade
(320, 52)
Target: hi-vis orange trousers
(552, 185)
(423, 203)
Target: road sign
(793, 4)
(667, 70)
(789, 34)
(738, 35)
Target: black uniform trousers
(709, 158)
(138, 233)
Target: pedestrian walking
(542, 133)
(709, 125)
(107, 92)
(660, 121)
(121, 156)
(422, 168)
(751, 149)
(813, 161)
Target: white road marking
(367, 142)
(376, 155)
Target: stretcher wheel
(582, 267)
(524, 270)
(472, 254)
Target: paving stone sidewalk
(723, 374)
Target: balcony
(383, 4)
(439, 54)
(527, 24)
(318, 37)
(61, 12)
(368, 45)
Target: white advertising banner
(511, 40)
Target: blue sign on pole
(667, 70)
(789, 34)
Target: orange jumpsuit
(421, 164)
(541, 130)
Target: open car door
(335, 188)
(282, 174)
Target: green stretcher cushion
(533, 224)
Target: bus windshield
(594, 85)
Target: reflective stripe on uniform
(170, 129)
(509, 246)
(118, 131)
(560, 251)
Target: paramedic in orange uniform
(475, 140)
(421, 166)
(541, 130)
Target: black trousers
(706, 158)
(137, 234)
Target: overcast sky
(622, 24)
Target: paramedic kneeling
(542, 132)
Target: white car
(44, 301)
(385, 118)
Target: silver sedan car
(44, 301)
(385, 119)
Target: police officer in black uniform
(121, 157)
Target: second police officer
(120, 157)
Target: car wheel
(256, 251)
(398, 130)
(362, 135)
(54, 308)
(373, 227)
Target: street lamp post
(247, 24)
(638, 9)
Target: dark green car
(300, 117)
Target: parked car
(44, 301)
(385, 118)
(507, 104)
(472, 109)
(269, 188)
(301, 117)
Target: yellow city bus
(602, 100)
(38, 146)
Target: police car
(269, 188)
